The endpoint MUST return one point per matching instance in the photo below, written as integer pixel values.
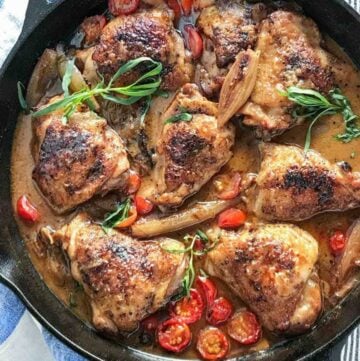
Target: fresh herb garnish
(146, 85)
(114, 218)
(183, 116)
(22, 101)
(312, 105)
(190, 243)
(144, 110)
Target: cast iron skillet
(45, 26)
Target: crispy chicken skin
(271, 268)
(291, 55)
(293, 185)
(125, 279)
(189, 153)
(77, 160)
(228, 28)
(146, 33)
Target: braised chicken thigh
(293, 185)
(228, 28)
(146, 33)
(76, 160)
(190, 152)
(272, 269)
(155, 119)
(125, 279)
(291, 55)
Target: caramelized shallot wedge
(44, 75)
(198, 213)
(238, 84)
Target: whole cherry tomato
(186, 6)
(194, 41)
(231, 218)
(133, 182)
(212, 344)
(143, 206)
(233, 190)
(207, 288)
(188, 309)
(337, 242)
(150, 323)
(244, 327)
(219, 312)
(26, 210)
(173, 335)
(123, 7)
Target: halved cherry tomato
(244, 327)
(123, 7)
(150, 324)
(208, 288)
(233, 190)
(337, 242)
(194, 41)
(143, 206)
(212, 344)
(26, 210)
(174, 5)
(219, 312)
(173, 335)
(188, 309)
(231, 218)
(186, 6)
(134, 182)
(127, 222)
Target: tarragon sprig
(146, 85)
(312, 105)
(114, 218)
(190, 242)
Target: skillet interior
(46, 25)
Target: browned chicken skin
(228, 28)
(77, 160)
(125, 279)
(271, 268)
(146, 33)
(293, 185)
(189, 153)
(291, 55)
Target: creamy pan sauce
(49, 263)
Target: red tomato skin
(123, 7)
(163, 338)
(194, 304)
(219, 312)
(194, 41)
(150, 323)
(234, 191)
(202, 343)
(337, 242)
(133, 182)
(26, 210)
(174, 5)
(231, 218)
(207, 288)
(186, 6)
(143, 206)
(251, 322)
